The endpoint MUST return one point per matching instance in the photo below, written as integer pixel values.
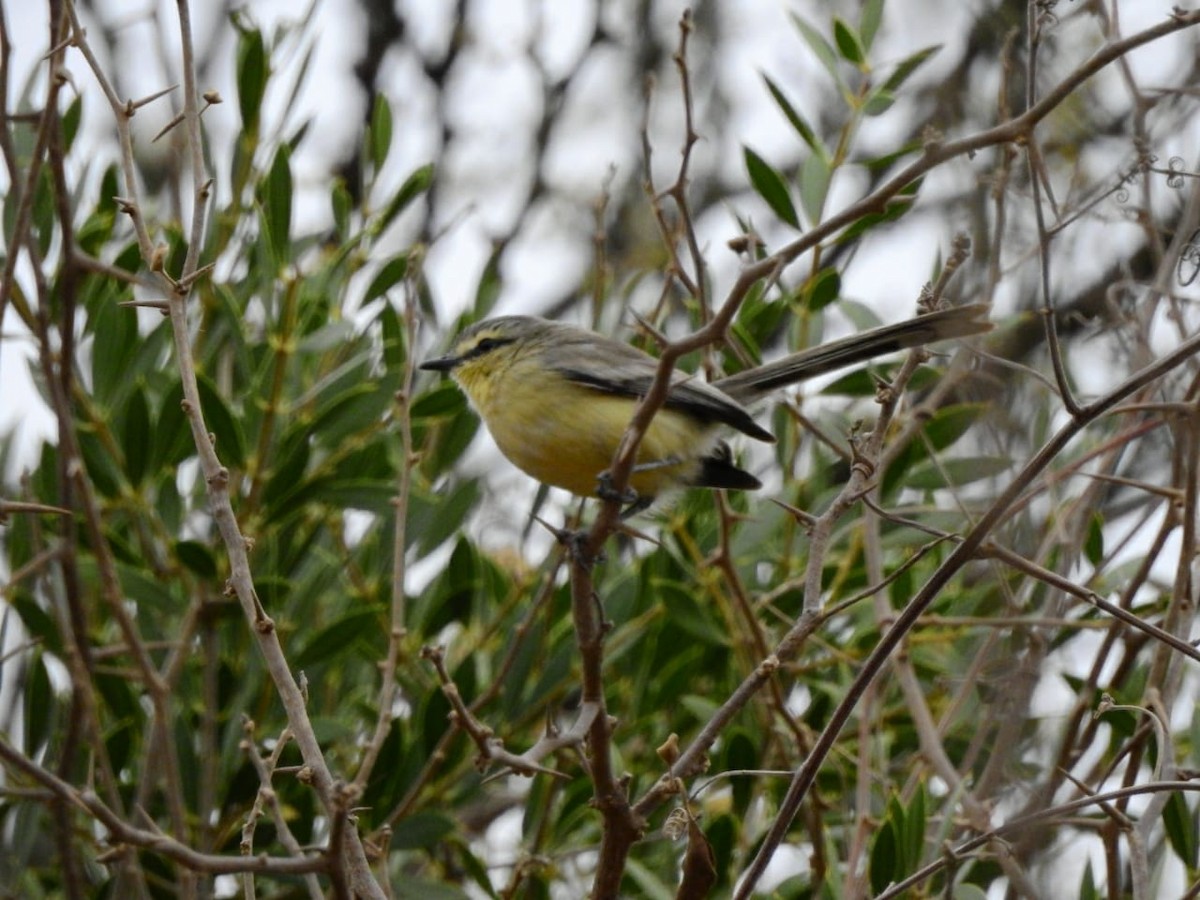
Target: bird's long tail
(958, 321)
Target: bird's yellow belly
(566, 435)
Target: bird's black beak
(441, 364)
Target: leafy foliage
(134, 677)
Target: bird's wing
(627, 372)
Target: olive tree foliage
(268, 626)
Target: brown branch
(971, 544)
(121, 833)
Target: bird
(557, 399)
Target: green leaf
(489, 286)
(100, 465)
(1093, 544)
(896, 208)
(1087, 888)
(684, 611)
(475, 868)
(969, 891)
(251, 78)
(914, 830)
(290, 464)
(277, 205)
(420, 830)
(444, 400)
(848, 43)
(769, 185)
(822, 289)
(135, 435)
(905, 68)
(389, 274)
(447, 516)
(868, 22)
(40, 703)
(950, 423)
(381, 131)
(342, 204)
(936, 474)
(395, 349)
(337, 638)
(150, 593)
(879, 102)
(820, 47)
(416, 184)
(814, 186)
(39, 623)
(414, 888)
(1180, 825)
(197, 557)
(172, 436)
(114, 346)
(883, 857)
(231, 445)
(742, 753)
(70, 123)
(799, 123)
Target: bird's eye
(486, 345)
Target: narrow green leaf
(416, 184)
(39, 623)
(448, 516)
(390, 273)
(932, 476)
(197, 557)
(1093, 544)
(848, 42)
(342, 204)
(879, 102)
(1087, 888)
(381, 131)
(135, 435)
(951, 422)
(683, 611)
(822, 289)
(422, 829)
(277, 205)
(149, 592)
(814, 186)
(394, 342)
(914, 830)
(40, 703)
(231, 444)
(883, 857)
(1180, 825)
(907, 66)
(115, 342)
(443, 400)
(336, 638)
(70, 122)
(251, 78)
(769, 185)
(820, 47)
(799, 123)
(868, 22)
(172, 436)
(488, 289)
(101, 467)
(742, 752)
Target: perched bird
(557, 399)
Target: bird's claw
(606, 491)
